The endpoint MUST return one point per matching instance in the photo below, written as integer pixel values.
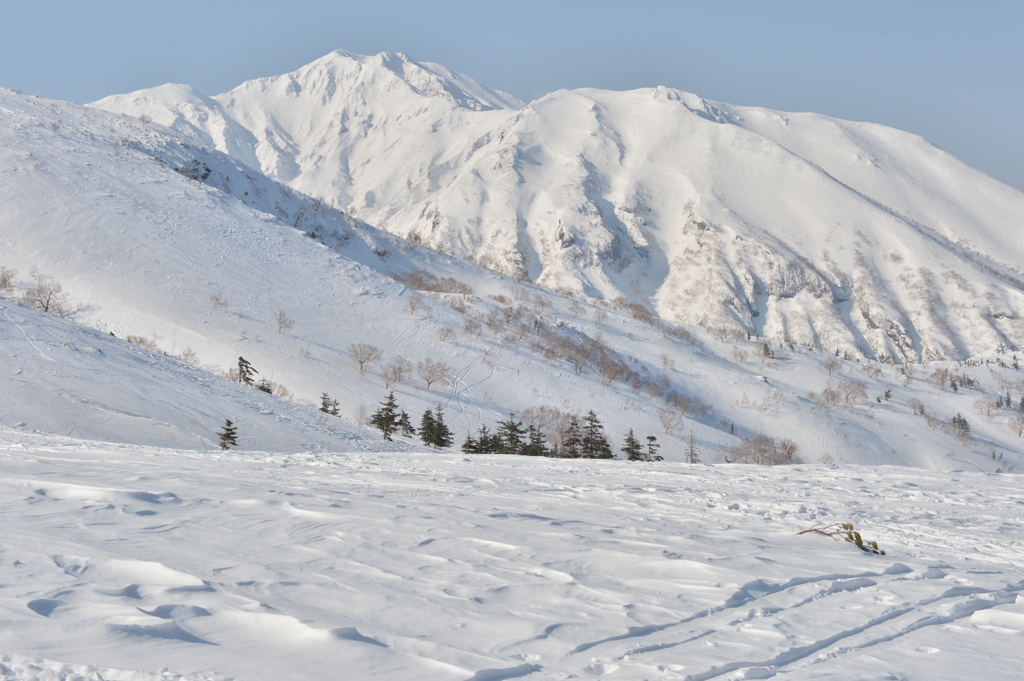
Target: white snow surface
(136, 563)
(795, 226)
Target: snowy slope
(142, 227)
(138, 564)
(799, 227)
(61, 377)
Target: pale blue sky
(952, 72)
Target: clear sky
(950, 71)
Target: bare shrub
(872, 370)
(739, 354)
(499, 298)
(7, 279)
(282, 392)
(599, 316)
(364, 353)
(395, 371)
(831, 365)
(189, 356)
(576, 310)
(217, 301)
(445, 334)
(432, 371)
(764, 450)
(145, 119)
(142, 342)
(764, 352)
(283, 321)
(422, 280)
(667, 362)
(688, 404)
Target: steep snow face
(807, 229)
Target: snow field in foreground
(439, 566)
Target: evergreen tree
(594, 445)
(386, 419)
(265, 386)
(245, 371)
(571, 441)
(1008, 403)
(632, 448)
(509, 435)
(328, 406)
(405, 425)
(1020, 407)
(652, 449)
(952, 384)
(485, 443)
(427, 424)
(691, 451)
(443, 437)
(535, 445)
(229, 435)
(434, 431)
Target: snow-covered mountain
(154, 236)
(844, 236)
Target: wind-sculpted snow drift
(798, 227)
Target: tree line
(582, 438)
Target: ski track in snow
(245, 565)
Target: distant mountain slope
(849, 237)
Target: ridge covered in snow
(797, 227)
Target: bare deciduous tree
(445, 334)
(431, 371)
(610, 369)
(473, 328)
(217, 301)
(599, 316)
(671, 420)
(47, 295)
(395, 371)
(739, 354)
(413, 303)
(363, 354)
(853, 391)
(1017, 425)
(916, 406)
(189, 356)
(283, 321)
(831, 365)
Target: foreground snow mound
(434, 566)
(799, 227)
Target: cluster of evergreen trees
(433, 431)
(581, 440)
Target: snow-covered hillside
(798, 227)
(134, 564)
(153, 236)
